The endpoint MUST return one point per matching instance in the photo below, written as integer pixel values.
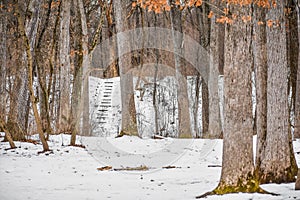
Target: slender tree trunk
(205, 108)
(292, 51)
(21, 26)
(64, 59)
(3, 60)
(155, 94)
(41, 63)
(278, 163)
(184, 125)
(81, 84)
(214, 126)
(196, 109)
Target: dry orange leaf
(211, 14)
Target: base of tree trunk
(16, 132)
(252, 186)
(285, 176)
(185, 135)
(129, 133)
(213, 136)
(297, 184)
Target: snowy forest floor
(71, 172)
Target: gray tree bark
(64, 61)
(3, 46)
(297, 100)
(237, 163)
(261, 72)
(214, 126)
(278, 163)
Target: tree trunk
(13, 124)
(30, 78)
(261, 71)
(7, 134)
(205, 108)
(196, 113)
(278, 163)
(3, 60)
(214, 126)
(297, 103)
(292, 52)
(64, 67)
(184, 125)
(237, 164)
(80, 95)
(129, 126)
(297, 183)
(41, 48)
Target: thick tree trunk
(129, 125)
(278, 163)
(237, 164)
(64, 59)
(184, 125)
(297, 102)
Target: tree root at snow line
(251, 187)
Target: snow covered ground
(71, 172)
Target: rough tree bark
(297, 103)
(292, 51)
(261, 72)
(237, 163)
(278, 163)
